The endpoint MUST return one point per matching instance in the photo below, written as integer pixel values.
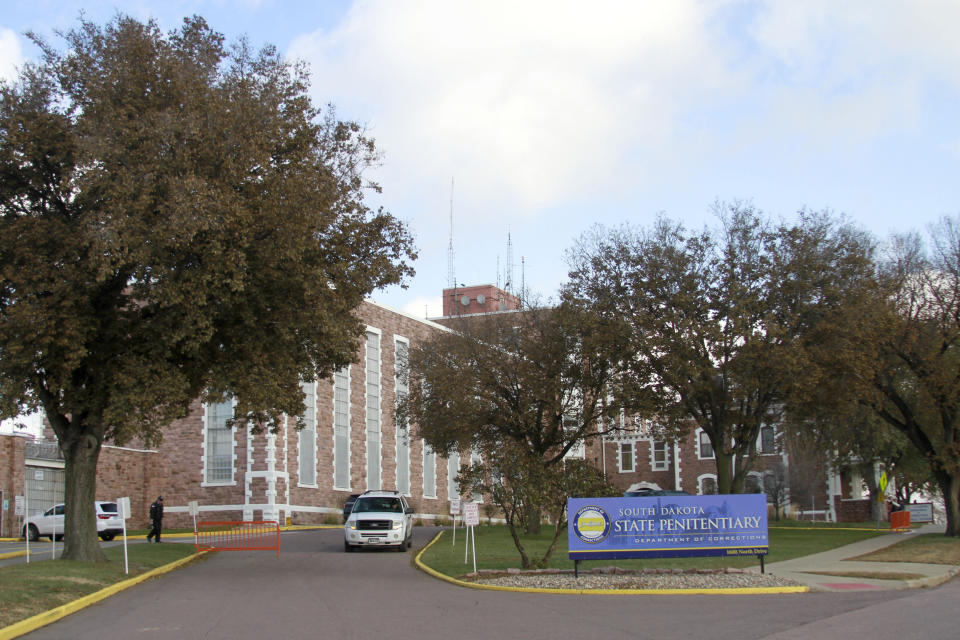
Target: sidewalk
(803, 570)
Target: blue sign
(667, 526)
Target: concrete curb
(599, 592)
(18, 629)
(935, 581)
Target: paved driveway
(315, 590)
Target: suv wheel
(347, 547)
(32, 531)
(402, 547)
(106, 537)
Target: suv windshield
(389, 505)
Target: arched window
(708, 485)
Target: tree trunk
(524, 559)
(950, 487)
(534, 516)
(878, 510)
(724, 470)
(80, 521)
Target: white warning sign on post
(471, 514)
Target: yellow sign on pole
(883, 481)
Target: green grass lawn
(43, 584)
(495, 549)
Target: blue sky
(553, 116)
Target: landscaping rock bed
(616, 578)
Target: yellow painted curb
(42, 619)
(601, 592)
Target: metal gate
(45, 488)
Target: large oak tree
(177, 219)
(717, 319)
(899, 351)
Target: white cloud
(11, 55)
(422, 307)
(537, 103)
(868, 67)
(528, 104)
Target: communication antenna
(523, 277)
(508, 276)
(451, 272)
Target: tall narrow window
(660, 455)
(341, 428)
(219, 443)
(626, 457)
(453, 468)
(578, 450)
(476, 460)
(429, 472)
(401, 388)
(307, 445)
(706, 448)
(373, 410)
(768, 443)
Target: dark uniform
(156, 519)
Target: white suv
(379, 519)
(50, 523)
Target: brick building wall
(11, 479)
(123, 472)
(266, 476)
(266, 480)
(849, 510)
(683, 468)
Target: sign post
(123, 506)
(26, 512)
(881, 495)
(455, 511)
(194, 508)
(471, 518)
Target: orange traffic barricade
(900, 521)
(238, 536)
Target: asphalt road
(315, 590)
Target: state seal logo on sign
(591, 524)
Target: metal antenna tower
(508, 275)
(451, 272)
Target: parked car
(379, 519)
(50, 522)
(348, 505)
(646, 493)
